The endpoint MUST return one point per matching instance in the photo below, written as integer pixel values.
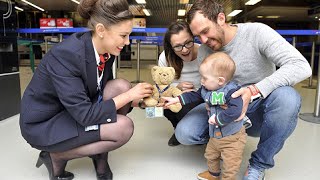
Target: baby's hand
(160, 104)
(212, 120)
(170, 100)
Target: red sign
(64, 23)
(47, 23)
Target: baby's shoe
(206, 175)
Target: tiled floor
(147, 156)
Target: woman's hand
(246, 97)
(133, 95)
(185, 86)
(139, 91)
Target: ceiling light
(272, 17)
(141, 1)
(181, 12)
(252, 2)
(146, 12)
(17, 8)
(184, 1)
(35, 6)
(75, 1)
(259, 17)
(235, 12)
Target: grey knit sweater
(257, 49)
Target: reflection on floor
(147, 156)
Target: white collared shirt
(98, 61)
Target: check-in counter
(148, 52)
(9, 66)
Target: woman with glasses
(180, 52)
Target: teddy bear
(163, 77)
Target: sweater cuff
(265, 87)
(219, 121)
(181, 99)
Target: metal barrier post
(314, 117)
(60, 37)
(294, 40)
(118, 61)
(312, 65)
(31, 54)
(138, 63)
(316, 107)
(46, 44)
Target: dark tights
(113, 135)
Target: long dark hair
(107, 12)
(172, 58)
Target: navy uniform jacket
(63, 92)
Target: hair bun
(85, 7)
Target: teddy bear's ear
(172, 70)
(154, 68)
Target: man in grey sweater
(257, 50)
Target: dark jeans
(174, 118)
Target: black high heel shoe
(44, 158)
(108, 175)
(173, 141)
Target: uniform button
(109, 120)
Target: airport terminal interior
(27, 33)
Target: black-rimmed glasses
(186, 45)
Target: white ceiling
(285, 13)
(51, 5)
(165, 11)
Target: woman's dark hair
(209, 8)
(107, 12)
(172, 58)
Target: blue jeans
(193, 128)
(273, 119)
